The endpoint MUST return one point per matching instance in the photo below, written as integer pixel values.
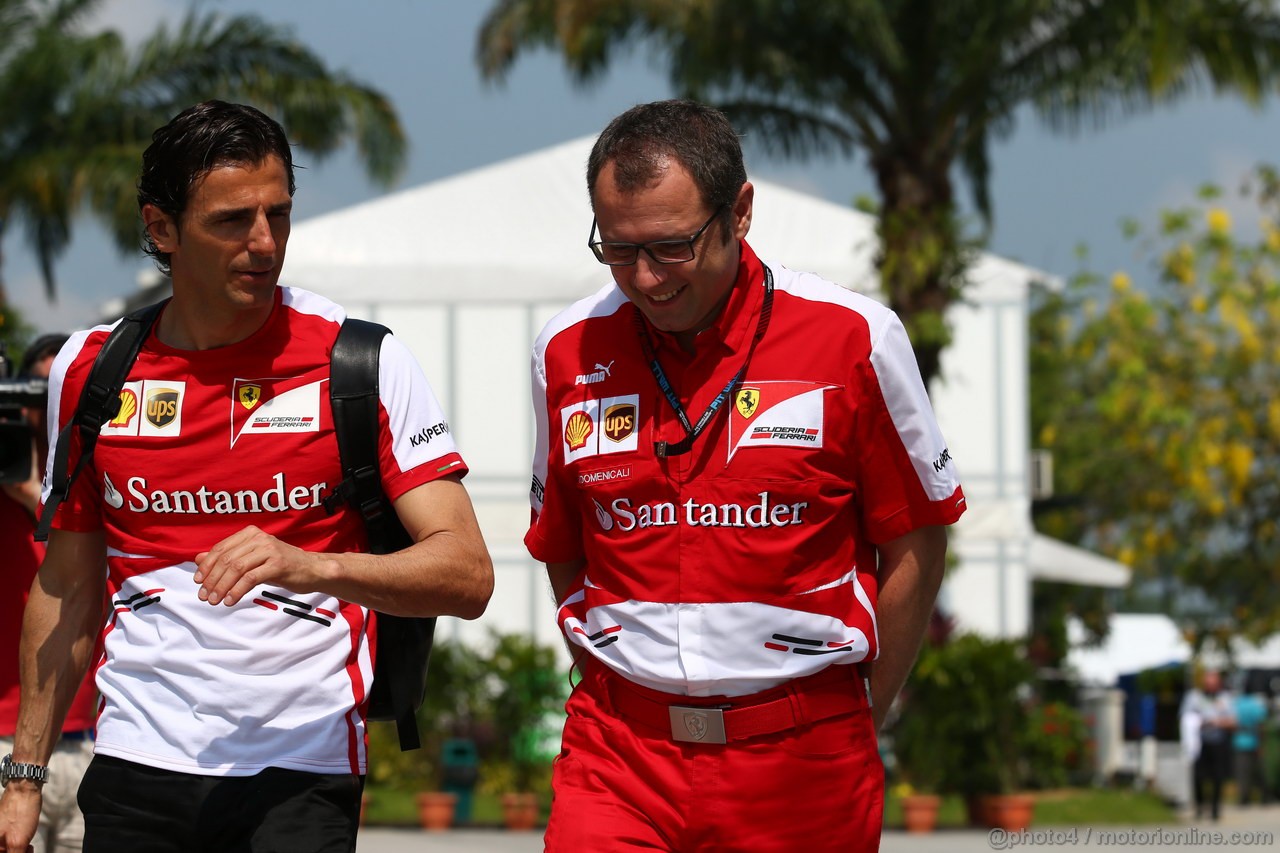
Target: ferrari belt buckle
(697, 725)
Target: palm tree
(920, 87)
(80, 107)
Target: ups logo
(162, 406)
(620, 421)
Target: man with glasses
(738, 516)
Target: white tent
(467, 269)
(1135, 642)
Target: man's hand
(19, 816)
(229, 570)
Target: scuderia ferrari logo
(274, 406)
(778, 414)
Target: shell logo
(128, 408)
(578, 428)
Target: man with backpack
(213, 518)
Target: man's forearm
(911, 572)
(59, 631)
(446, 572)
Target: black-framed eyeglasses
(617, 254)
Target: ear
(742, 210)
(162, 227)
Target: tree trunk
(921, 261)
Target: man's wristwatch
(10, 771)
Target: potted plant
(962, 725)
(455, 696)
(919, 809)
(529, 691)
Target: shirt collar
(732, 330)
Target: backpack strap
(99, 403)
(353, 396)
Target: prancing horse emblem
(250, 395)
(748, 399)
(695, 722)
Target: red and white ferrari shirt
(205, 444)
(749, 560)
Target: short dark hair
(41, 348)
(697, 136)
(195, 142)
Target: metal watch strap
(10, 771)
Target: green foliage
(501, 698)
(15, 334)
(1158, 402)
(1166, 683)
(529, 688)
(455, 705)
(1055, 750)
(79, 108)
(920, 89)
(966, 714)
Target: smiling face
(227, 248)
(682, 298)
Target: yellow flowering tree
(1159, 396)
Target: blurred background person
(1246, 744)
(1213, 707)
(61, 824)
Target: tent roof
(1137, 641)
(1052, 560)
(517, 230)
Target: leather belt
(833, 692)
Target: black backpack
(404, 643)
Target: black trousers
(140, 809)
(1211, 771)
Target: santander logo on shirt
(765, 510)
(139, 495)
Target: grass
(394, 807)
(1066, 807)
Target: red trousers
(623, 782)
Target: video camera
(16, 432)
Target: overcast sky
(1050, 192)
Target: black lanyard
(691, 431)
